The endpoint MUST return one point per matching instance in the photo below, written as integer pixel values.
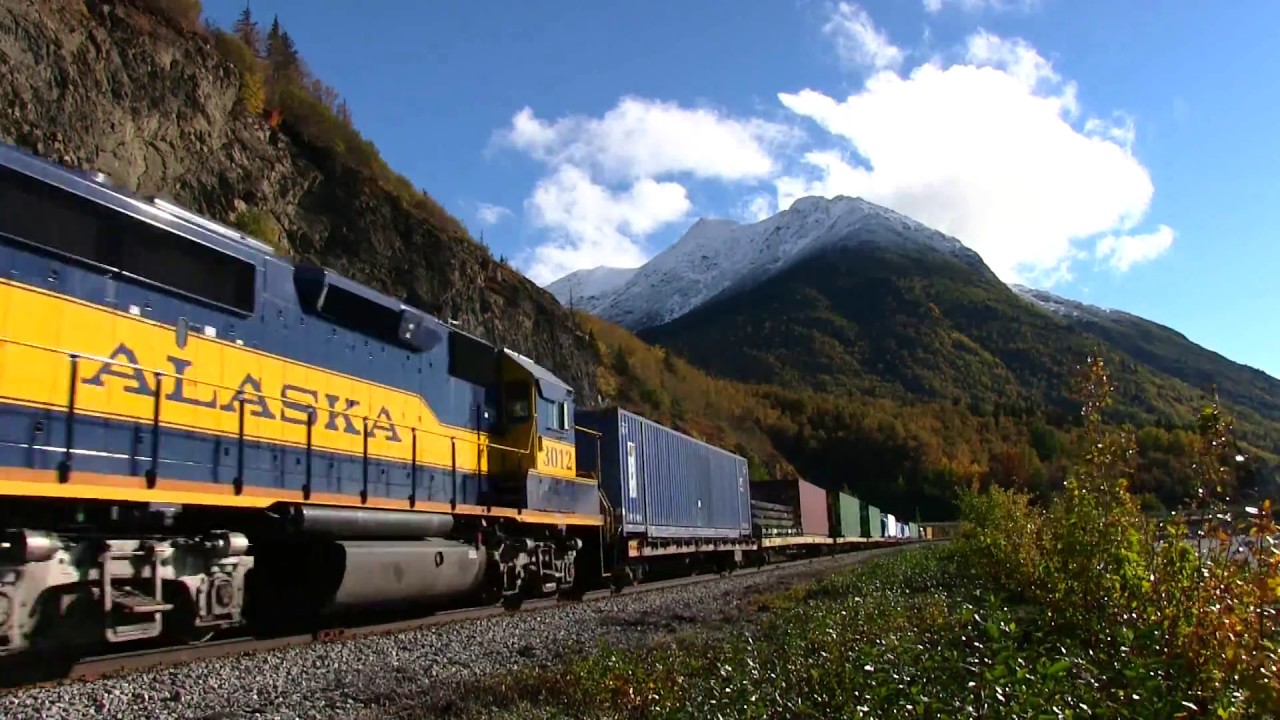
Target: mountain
(141, 90)
(849, 299)
(587, 289)
(722, 256)
(1166, 350)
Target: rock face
(109, 86)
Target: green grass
(909, 635)
(820, 651)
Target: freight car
(675, 503)
(195, 432)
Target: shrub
(253, 89)
(184, 13)
(1198, 626)
(263, 226)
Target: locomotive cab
(537, 452)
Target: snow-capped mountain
(1066, 307)
(587, 289)
(716, 257)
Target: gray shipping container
(665, 483)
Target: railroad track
(135, 660)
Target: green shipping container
(846, 515)
(871, 522)
(915, 530)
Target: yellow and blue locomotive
(195, 431)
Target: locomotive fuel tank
(353, 523)
(314, 576)
(432, 570)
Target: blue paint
(32, 438)
(667, 484)
(558, 495)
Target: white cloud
(1124, 251)
(986, 151)
(491, 214)
(592, 225)
(603, 194)
(858, 41)
(990, 146)
(934, 6)
(756, 208)
(1120, 129)
(1018, 59)
(647, 138)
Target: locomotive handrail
(240, 396)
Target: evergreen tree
(344, 112)
(247, 30)
(281, 55)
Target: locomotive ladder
(130, 601)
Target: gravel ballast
(356, 677)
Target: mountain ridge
(913, 315)
(717, 255)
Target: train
(199, 434)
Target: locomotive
(199, 434)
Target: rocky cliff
(113, 87)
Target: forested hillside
(904, 374)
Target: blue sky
(1106, 151)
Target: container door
(705, 490)
(632, 486)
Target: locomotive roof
(551, 387)
(99, 188)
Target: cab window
(518, 403)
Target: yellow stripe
(22, 288)
(24, 482)
(210, 371)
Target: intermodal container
(890, 525)
(846, 516)
(664, 483)
(871, 522)
(809, 498)
(915, 531)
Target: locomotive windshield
(519, 407)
